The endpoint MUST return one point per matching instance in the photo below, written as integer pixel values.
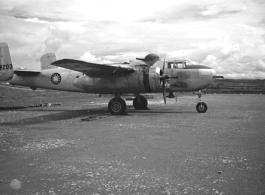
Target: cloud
(237, 64)
(87, 56)
(195, 11)
(221, 48)
(214, 10)
(260, 65)
(228, 36)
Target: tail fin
(46, 61)
(6, 67)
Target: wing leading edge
(93, 69)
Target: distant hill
(237, 86)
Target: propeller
(164, 82)
(163, 79)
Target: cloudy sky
(228, 35)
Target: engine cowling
(155, 74)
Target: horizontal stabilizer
(218, 77)
(93, 69)
(26, 72)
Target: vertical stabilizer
(46, 61)
(6, 66)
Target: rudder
(46, 61)
(6, 66)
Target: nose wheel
(201, 107)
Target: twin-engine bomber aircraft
(148, 75)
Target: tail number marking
(6, 66)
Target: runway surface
(79, 148)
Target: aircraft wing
(93, 69)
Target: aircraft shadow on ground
(53, 117)
(89, 114)
(155, 111)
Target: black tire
(140, 103)
(117, 106)
(201, 107)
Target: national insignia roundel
(56, 78)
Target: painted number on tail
(6, 66)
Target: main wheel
(117, 106)
(140, 103)
(201, 107)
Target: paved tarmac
(79, 148)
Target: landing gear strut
(117, 106)
(201, 106)
(140, 103)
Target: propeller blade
(164, 82)
(164, 63)
(164, 92)
(176, 98)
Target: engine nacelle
(155, 74)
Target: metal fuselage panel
(68, 80)
(57, 79)
(189, 79)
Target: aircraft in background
(146, 75)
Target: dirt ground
(79, 148)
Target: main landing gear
(117, 105)
(140, 103)
(201, 106)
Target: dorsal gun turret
(150, 59)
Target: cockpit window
(170, 65)
(177, 65)
(180, 65)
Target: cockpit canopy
(178, 64)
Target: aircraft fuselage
(143, 80)
(147, 75)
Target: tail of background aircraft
(6, 67)
(46, 61)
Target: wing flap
(93, 69)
